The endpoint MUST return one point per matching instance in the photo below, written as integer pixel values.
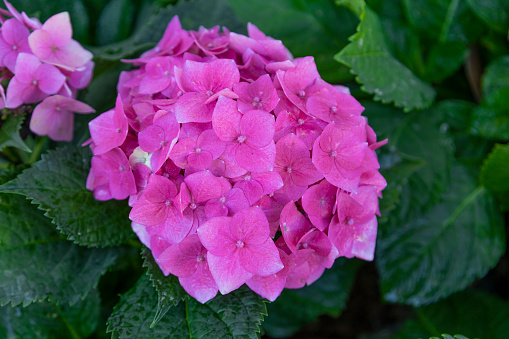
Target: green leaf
(327, 295)
(496, 75)
(169, 291)
(235, 315)
(472, 313)
(9, 133)
(490, 120)
(418, 260)
(492, 12)
(378, 71)
(494, 173)
(36, 264)
(57, 184)
(49, 320)
(448, 336)
(316, 28)
(115, 21)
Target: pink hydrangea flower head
(239, 248)
(33, 81)
(54, 117)
(53, 44)
(248, 167)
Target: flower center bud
(333, 109)
(247, 177)
(300, 121)
(121, 168)
(193, 206)
(256, 101)
(210, 93)
(322, 202)
(301, 94)
(34, 82)
(333, 154)
(222, 200)
(349, 221)
(58, 109)
(197, 150)
(289, 169)
(167, 202)
(200, 258)
(240, 244)
(14, 47)
(241, 139)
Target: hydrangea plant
(251, 178)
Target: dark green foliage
(494, 172)
(418, 259)
(235, 315)
(9, 133)
(169, 291)
(328, 295)
(57, 184)
(473, 314)
(37, 264)
(50, 320)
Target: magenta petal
(191, 107)
(59, 26)
(250, 128)
(200, 161)
(294, 225)
(215, 236)
(226, 119)
(50, 79)
(250, 226)
(318, 202)
(262, 259)
(256, 159)
(227, 272)
(173, 260)
(203, 186)
(304, 173)
(151, 138)
(200, 285)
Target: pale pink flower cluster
(45, 64)
(242, 166)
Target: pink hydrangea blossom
(248, 167)
(45, 64)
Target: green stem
(449, 16)
(71, 329)
(426, 323)
(36, 152)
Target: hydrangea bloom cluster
(242, 166)
(45, 64)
